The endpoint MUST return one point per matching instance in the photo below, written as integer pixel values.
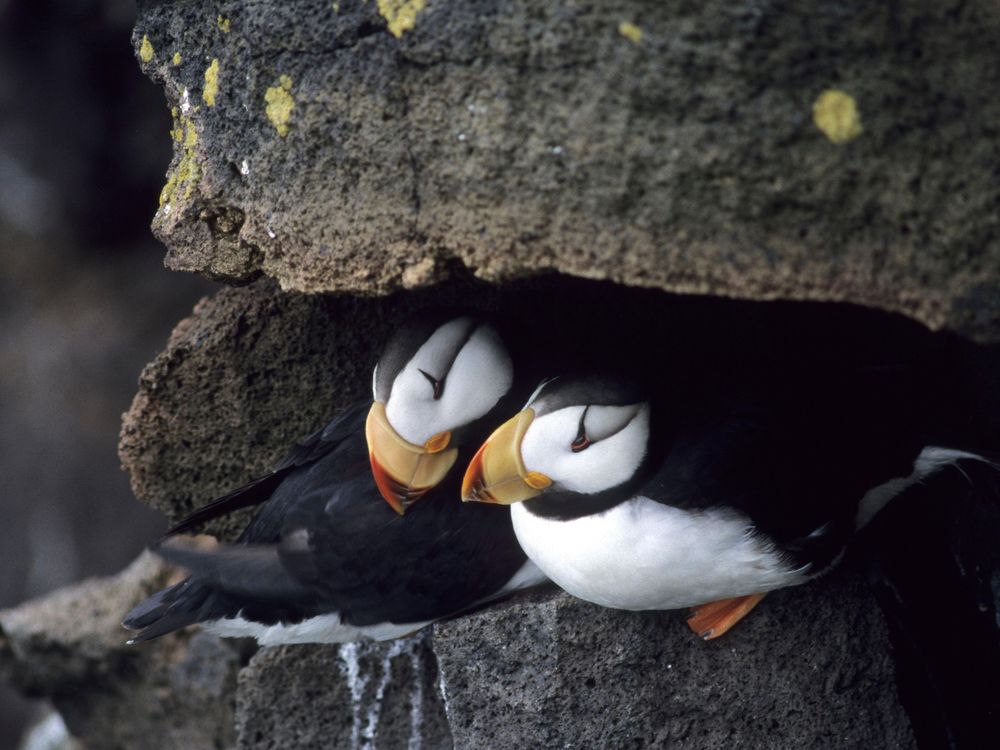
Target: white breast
(645, 555)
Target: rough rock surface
(809, 668)
(357, 695)
(69, 647)
(676, 145)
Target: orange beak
(496, 474)
(404, 472)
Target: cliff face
(399, 154)
(827, 151)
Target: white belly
(330, 629)
(645, 555)
(319, 629)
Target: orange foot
(713, 619)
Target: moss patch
(211, 83)
(146, 50)
(280, 104)
(185, 175)
(630, 31)
(836, 114)
(401, 15)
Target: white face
(587, 449)
(440, 391)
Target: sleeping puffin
(329, 557)
(699, 499)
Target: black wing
(320, 443)
(796, 461)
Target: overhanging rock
(826, 151)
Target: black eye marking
(581, 441)
(438, 385)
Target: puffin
(330, 556)
(703, 497)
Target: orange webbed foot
(714, 619)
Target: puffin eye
(437, 385)
(581, 442)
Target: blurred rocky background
(84, 299)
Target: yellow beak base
(496, 474)
(404, 471)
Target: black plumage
(324, 540)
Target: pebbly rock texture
(553, 671)
(69, 647)
(358, 695)
(757, 150)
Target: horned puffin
(329, 557)
(705, 500)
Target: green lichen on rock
(146, 50)
(400, 15)
(630, 31)
(280, 104)
(211, 83)
(184, 177)
(836, 114)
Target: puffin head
(576, 436)
(437, 375)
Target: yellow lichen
(401, 15)
(184, 177)
(630, 31)
(190, 135)
(146, 50)
(336, 7)
(225, 25)
(211, 83)
(836, 114)
(280, 104)
(177, 58)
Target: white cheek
(479, 377)
(411, 408)
(605, 464)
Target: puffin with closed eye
(703, 500)
(330, 557)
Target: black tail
(186, 603)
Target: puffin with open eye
(330, 557)
(707, 501)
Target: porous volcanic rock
(553, 671)
(356, 695)
(69, 647)
(825, 150)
